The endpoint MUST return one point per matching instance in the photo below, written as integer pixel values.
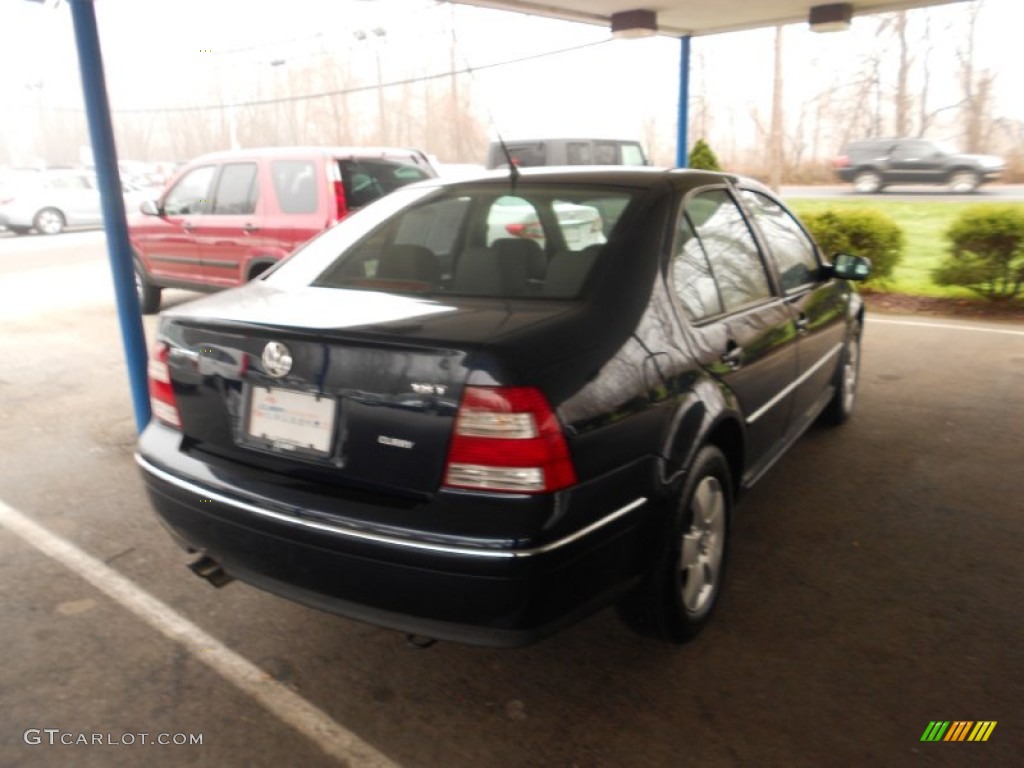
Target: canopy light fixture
(632, 24)
(834, 17)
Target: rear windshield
(493, 241)
(365, 180)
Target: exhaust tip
(420, 642)
(208, 568)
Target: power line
(343, 91)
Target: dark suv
(229, 216)
(874, 164)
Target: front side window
(191, 194)
(731, 250)
(236, 190)
(633, 155)
(792, 249)
(908, 151)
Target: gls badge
(428, 389)
(277, 359)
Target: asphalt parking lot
(875, 586)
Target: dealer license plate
(289, 420)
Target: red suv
(228, 216)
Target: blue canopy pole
(682, 137)
(101, 132)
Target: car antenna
(513, 167)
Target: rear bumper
(477, 591)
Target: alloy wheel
(700, 563)
(850, 373)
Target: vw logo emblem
(277, 359)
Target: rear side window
(236, 190)
(525, 155)
(606, 153)
(68, 182)
(578, 153)
(483, 242)
(295, 185)
(367, 180)
(191, 194)
(691, 276)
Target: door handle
(249, 227)
(733, 355)
(187, 227)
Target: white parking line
(278, 699)
(947, 326)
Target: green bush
(859, 232)
(986, 251)
(702, 158)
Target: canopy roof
(696, 17)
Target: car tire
(868, 182)
(677, 596)
(49, 221)
(149, 294)
(964, 182)
(840, 407)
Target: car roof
(632, 176)
(228, 154)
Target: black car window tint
(792, 249)
(477, 243)
(236, 190)
(191, 194)
(691, 277)
(731, 249)
(295, 185)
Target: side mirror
(150, 208)
(847, 267)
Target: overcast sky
(158, 53)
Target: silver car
(51, 200)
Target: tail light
(508, 439)
(532, 230)
(340, 203)
(840, 162)
(161, 393)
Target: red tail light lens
(340, 204)
(840, 162)
(532, 230)
(508, 439)
(161, 393)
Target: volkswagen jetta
(423, 423)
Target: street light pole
(380, 33)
